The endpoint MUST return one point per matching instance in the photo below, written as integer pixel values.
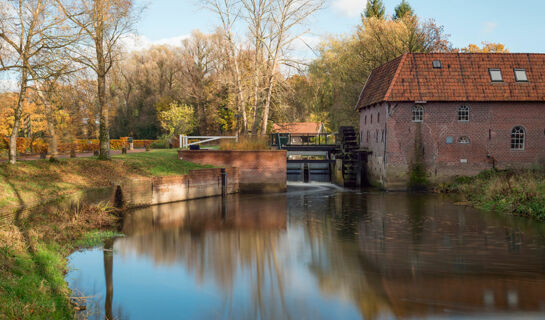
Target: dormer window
(520, 75)
(437, 64)
(495, 75)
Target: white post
(237, 137)
(180, 141)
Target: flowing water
(317, 252)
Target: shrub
(246, 144)
(160, 144)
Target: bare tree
(229, 12)
(257, 14)
(103, 24)
(287, 15)
(32, 30)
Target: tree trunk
(267, 105)
(103, 132)
(53, 144)
(256, 99)
(17, 118)
(242, 104)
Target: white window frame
(464, 140)
(418, 113)
(516, 140)
(464, 107)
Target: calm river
(317, 252)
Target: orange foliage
(487, 47)
(142, 143)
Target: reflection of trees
(335, 256)
(387, 254)
(218, 245)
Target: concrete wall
(489, 130)
(197, 184)
(259, 171)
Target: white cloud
(136, 42)
(8, 85)
(350, 8)
(489, 26)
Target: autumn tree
(177, 119)
(103, 24)
(32, 31)
(487, 47)
(402, 10)
(344, 63)
(374, 9)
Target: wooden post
(223, 182)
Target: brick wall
(373, 138)
(488, 129)
(259, 171)
(197, 184)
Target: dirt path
(66, 156)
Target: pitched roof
(297, 127)
(462, 77)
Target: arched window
(463, 113)
(518, 136)
(371, 118)
(463, 140)
(368, 136)
(418, 113)
(378, 117)
(365, 122)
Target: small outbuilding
(299, 132)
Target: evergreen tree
(402, 10)
(374, 8)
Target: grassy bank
(520, 192)
(35, 242)
(32, 182)
(33, 250)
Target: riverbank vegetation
(517, 191)
(30, 183)
(34, 245)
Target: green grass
(33, 286)
(95, 238)
(158, 163)
(520, 192)
(29, 183)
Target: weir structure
(325, 157)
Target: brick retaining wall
(197, 184)
(259, 171)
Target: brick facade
(259, 171)
(445, 144)
(488, 130)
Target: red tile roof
(297, 127)
(463, 77)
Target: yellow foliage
(487, 47)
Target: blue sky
(517, 24)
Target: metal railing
(302, 139)
(202, 139)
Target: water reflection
(317, 253)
